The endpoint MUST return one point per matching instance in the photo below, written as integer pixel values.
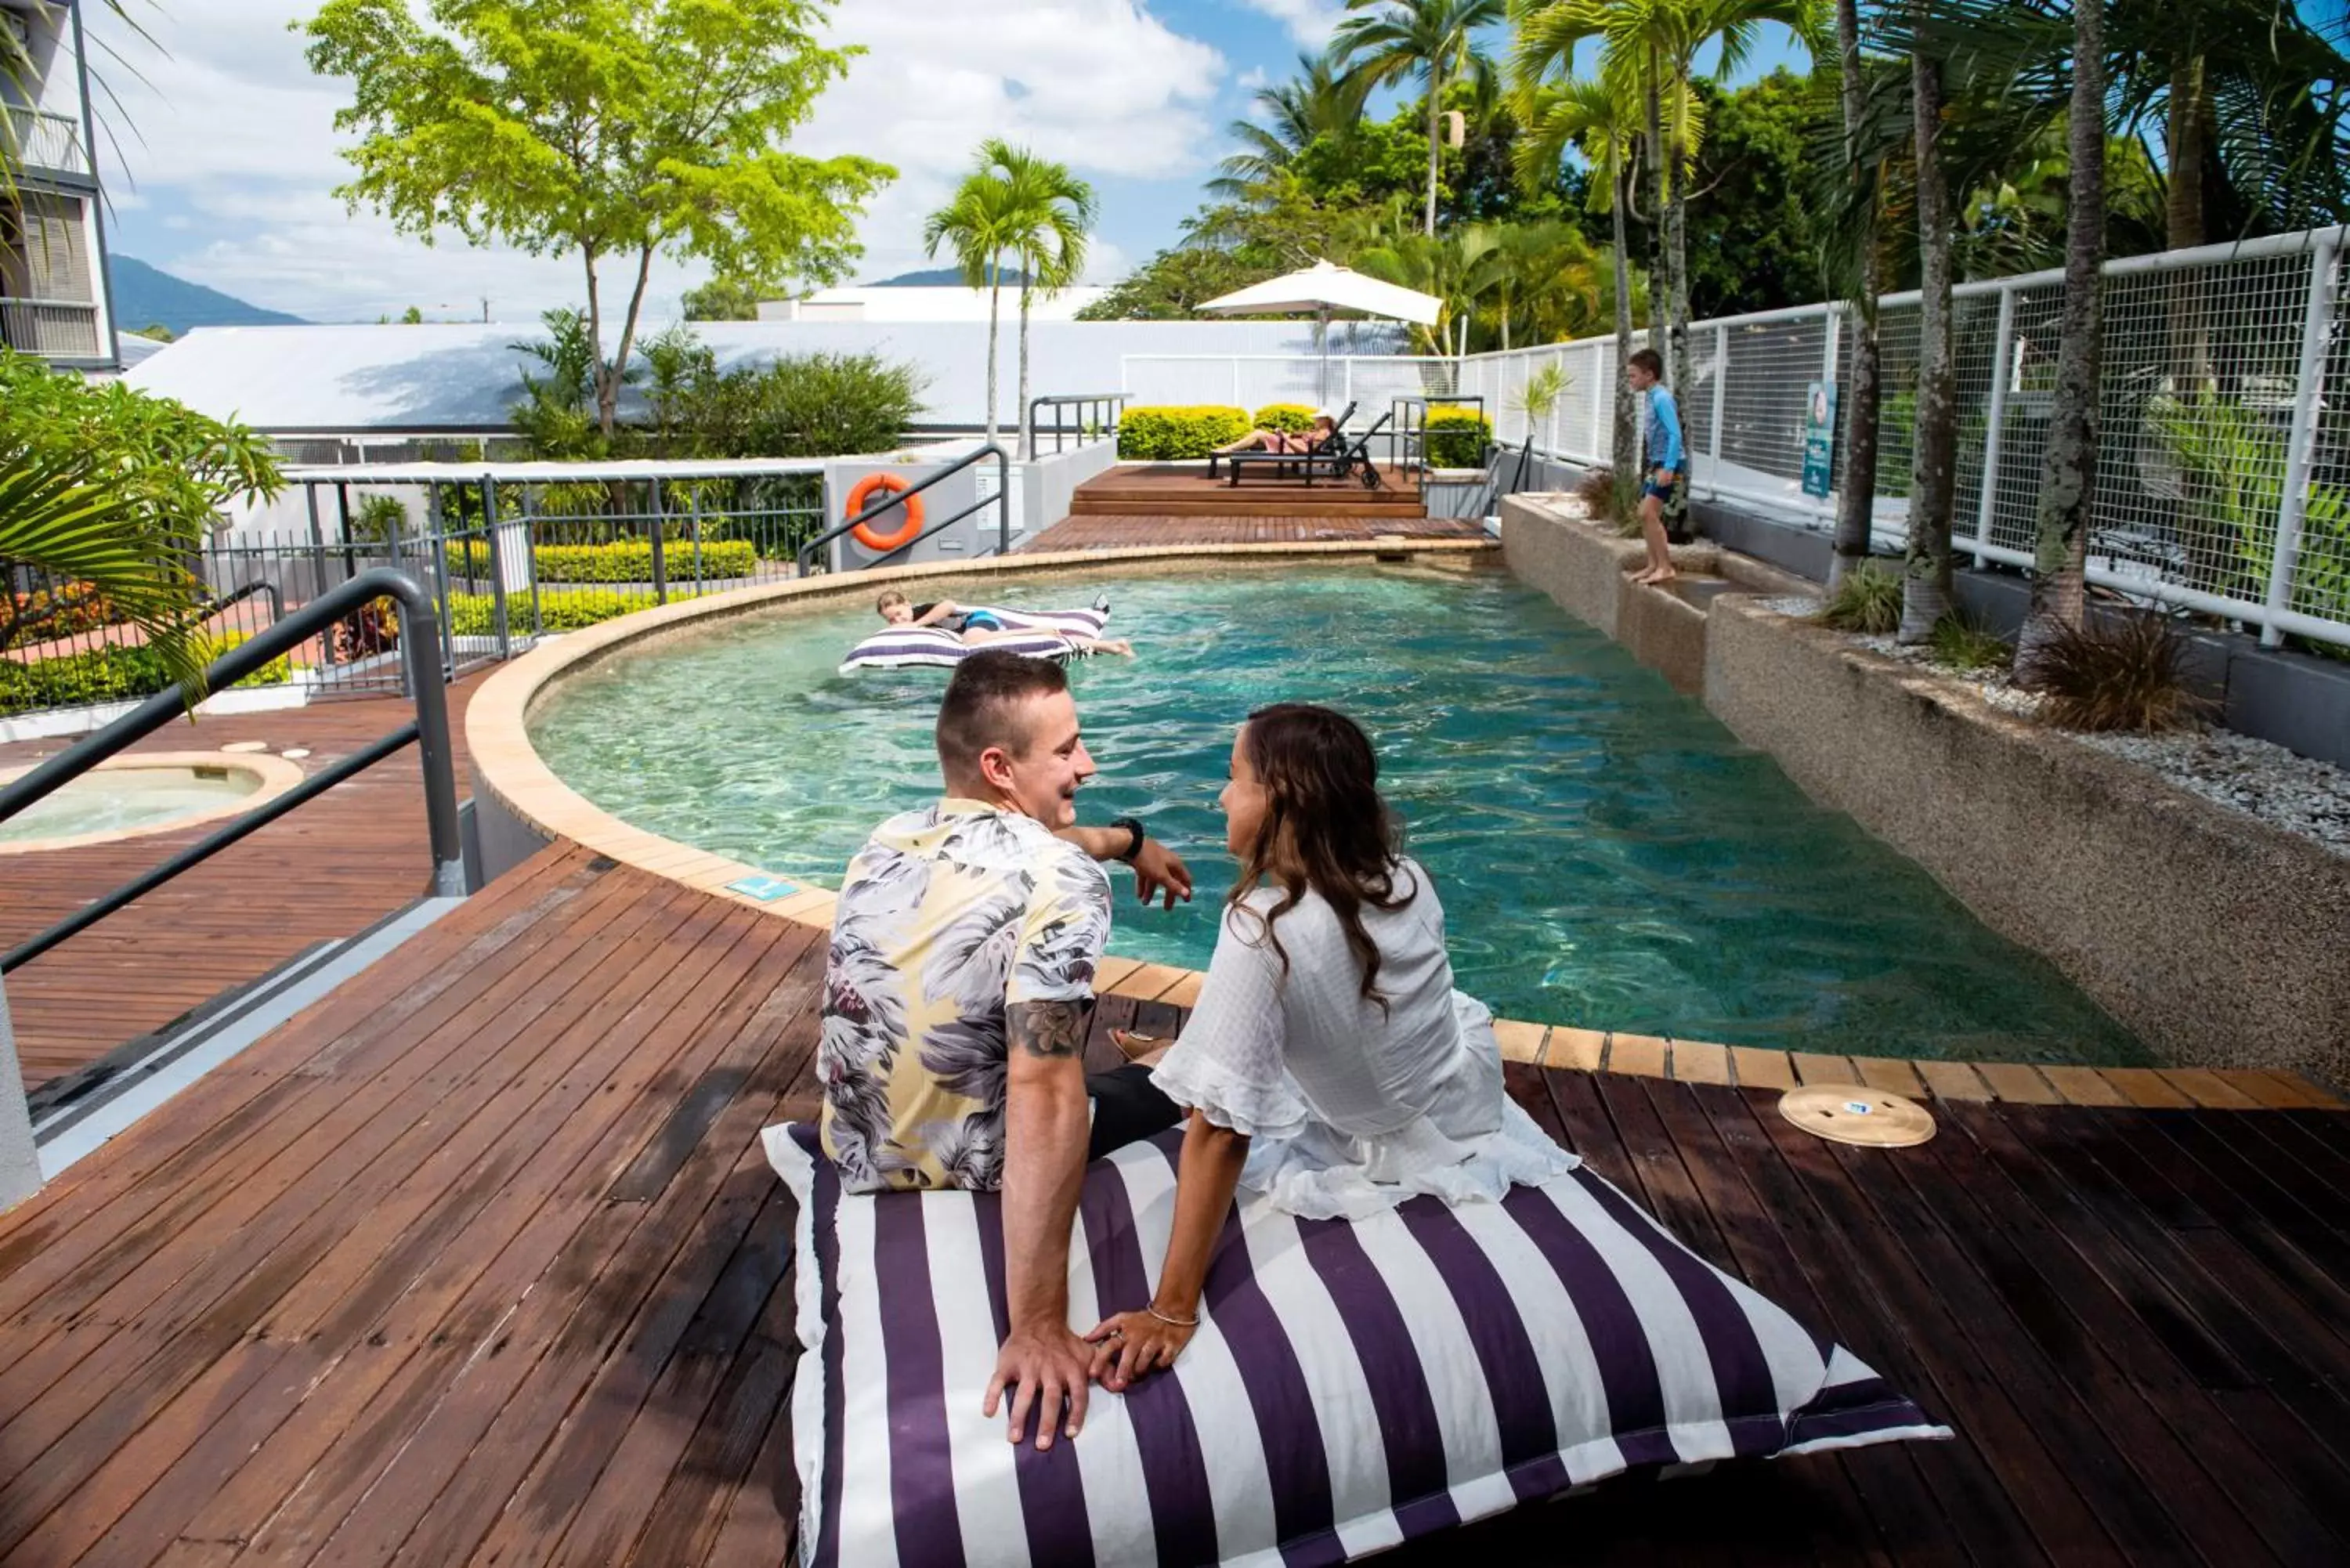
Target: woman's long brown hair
(1325, 830)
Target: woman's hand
(1134, 1345)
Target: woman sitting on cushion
(1325, 427)
(1329, 1065)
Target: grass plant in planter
(1868, 601)
(2118, 672)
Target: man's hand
(1160, 872)
(1043, 1368)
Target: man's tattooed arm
(1049, 1028)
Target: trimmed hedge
(108, 675)
(1458, 438)
(1172, 434)
(625, 561)
(1296, 419)
(475, 615)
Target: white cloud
(230, 128)
(1310, 21)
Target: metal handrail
(1002, 499)
(1115, 402)
(420, 652)
(239, 595)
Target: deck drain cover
(1851, 1113)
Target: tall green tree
(1934, 454)
(607, 129)
(1433, 42)
(2068, 482)
(1597, 120)
(1047, 215)
(979, 224)
(1862, 395)
(1323, 100)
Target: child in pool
(974, 627)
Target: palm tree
(1550, 281)
(2069, 472)
(976, 224)
(1433, 41)
(1934, 459)
(1321, 99)
(1461, 267)
(1857, 487)
(1595, 119)
(1046, 214)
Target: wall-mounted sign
(1819, 437)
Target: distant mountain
(144, 295)
(941, 278)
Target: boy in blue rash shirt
(1660, 440)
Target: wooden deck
(1117, 533)
(332, 868)
(478, 1261)
(1184, 489)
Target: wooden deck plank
(333, 867)
(2093, 1333)
(2084, 1086)
(2206, 1088)
(1814, 1067)
(1642, 1056)
(1893, 1077)
(546, 1315)
(1953, 1081)
(1759, 1069)
(2145, 1087)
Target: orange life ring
(863, 533)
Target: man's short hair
(1648, 359)
(982, 704)
(891, 597)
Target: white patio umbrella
(1325, 288)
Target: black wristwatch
(1134, 828)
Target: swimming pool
(1608, 855)
(136, 794)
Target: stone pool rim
(512, 781)
(273, 775)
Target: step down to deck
(73, 1114)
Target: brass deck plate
(1853, 1113)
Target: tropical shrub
(623, 561)
(113, 674)
(67, 610)
(2232, 462)
(475, 615)
(1296, 419)
(1171, 434)
(1962, 642)
(2118, 672)
(1458, 438)
(1598, 493)
(1869, 600)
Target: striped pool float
(1044, 634)
(1352, 1385)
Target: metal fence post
(530, 553)
(1825, 506)
(1721, 394)
(660, 564)
(694, 515)
(20, 1161)
(317, 541)
(2309, 387)
(1605, 397)
(490, 531)
(2002, 346)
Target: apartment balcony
(48, 146)
(51, 328)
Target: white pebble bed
(2260, 778)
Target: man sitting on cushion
(958, 992)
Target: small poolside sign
(766, 890)
(1819, 437)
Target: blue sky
(224, 171)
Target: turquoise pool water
(1607, 854)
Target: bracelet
(1192, 1322)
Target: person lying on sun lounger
(1286, 442)
(974, 627)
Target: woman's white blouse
(1349, 1110)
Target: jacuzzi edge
(508, 773)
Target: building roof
(462, 378)
(926, 302)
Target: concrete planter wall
(1456, 492)
(2220, 940)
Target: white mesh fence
(2223, 471)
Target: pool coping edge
(507, 769)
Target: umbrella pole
(1322, 338)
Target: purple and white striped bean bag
(902, 646)
(1355, 1383)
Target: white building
(922, 302)
(54, 301)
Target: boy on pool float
(974, 627)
